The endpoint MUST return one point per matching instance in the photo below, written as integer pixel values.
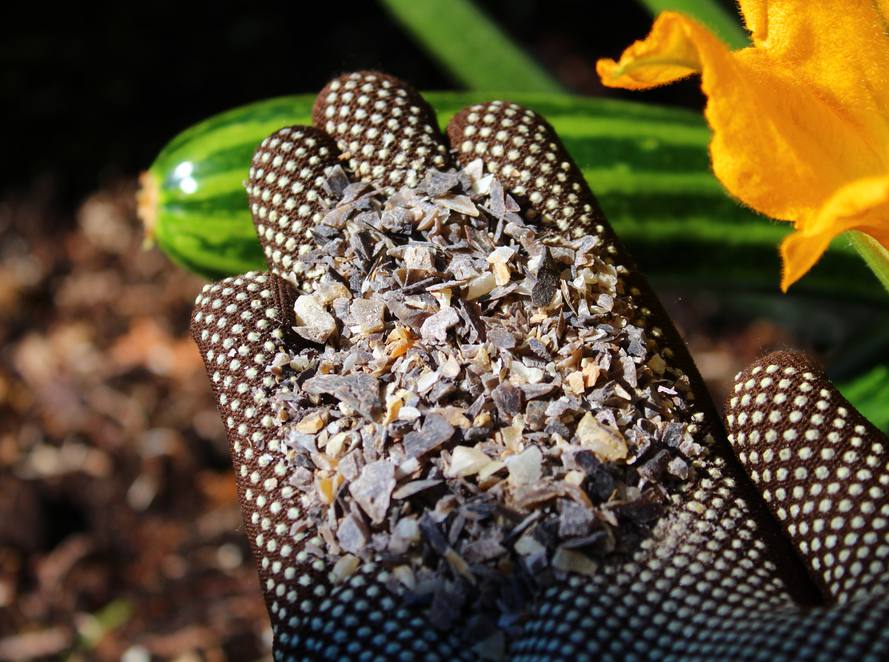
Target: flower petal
(756, 18)
(861, 205)
(779, 144)
(838, 47)
(668, 54)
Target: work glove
(768, 541)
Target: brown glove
(768, 544)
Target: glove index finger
(521, 149)
(524, 152)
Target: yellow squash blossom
(800, 118)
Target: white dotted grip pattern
(286, 193)
(239, 324)
(714, 580)
(822, 468)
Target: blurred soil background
(119, 527)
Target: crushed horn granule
(469, 402)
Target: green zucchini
(648, 165)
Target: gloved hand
(773, 546)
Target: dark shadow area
(92, 92)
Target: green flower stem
(873, 254)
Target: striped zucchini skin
(648, 165)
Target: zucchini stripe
(648, 165)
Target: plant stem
(470, 46)
(873, 254)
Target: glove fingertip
(383, 126)
(523, 150)
(821, 468)
(286, 191)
